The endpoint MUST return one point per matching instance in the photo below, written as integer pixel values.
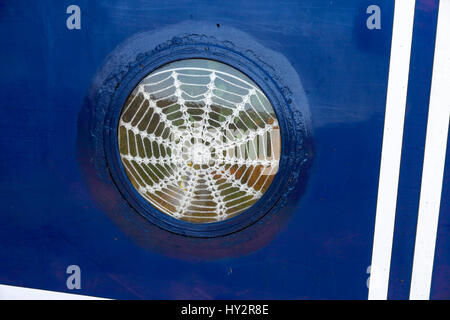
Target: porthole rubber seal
(293, 118)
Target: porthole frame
(267, 84)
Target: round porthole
(196, 138)
(199, 141)
(196, 144)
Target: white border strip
(434, 160)
(392, 147)
(20, 293)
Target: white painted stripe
(434, 160)
(20, 293)
(392, 147)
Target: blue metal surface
(55, 212)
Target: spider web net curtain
(199, 140)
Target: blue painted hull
(57, 210)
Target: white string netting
(200, 144)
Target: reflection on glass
(199, 140)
